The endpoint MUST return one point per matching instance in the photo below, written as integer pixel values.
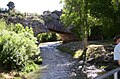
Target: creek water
(60, 65)
(56, 64)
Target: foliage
(107, 12)
(45, 37)
(17, 47)
(38, 60)
(75, 13)
(30, 66)
(104, 14)
(2, 25)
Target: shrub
(45, 37)
(2, 25)
(17, 47)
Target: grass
(63, 49)
(77, 54)
(72, 48)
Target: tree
(108, 13)
(86, 14)
(75, 13)
(11, 5)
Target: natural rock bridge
(52, 24)
(48, 22)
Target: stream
(61, 65)
(57, 64)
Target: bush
(45, 37)
(2, 25)
(17, 47)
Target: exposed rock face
(101, 54)
(52, 21)
(48, 22)
(68, 37)
(33, 21)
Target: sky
(33, 6)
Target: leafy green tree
(86, 14)
(108, 14)
(75, 13)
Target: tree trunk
(117, 3)
(85, 42)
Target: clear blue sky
(34, 6)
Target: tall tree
(75, 13)
(84, 13)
